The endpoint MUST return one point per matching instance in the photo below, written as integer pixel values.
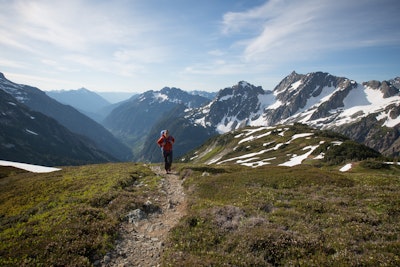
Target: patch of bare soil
(142, 238)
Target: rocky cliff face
(365, 112)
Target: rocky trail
(142, 237)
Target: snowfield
(28, 167)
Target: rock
(145, 229)
(136, 215)
(107, 259)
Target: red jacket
(166, 142)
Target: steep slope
(233, 108)
(87, 102)
(286, 145)
(187, 136)
(317, 99)
(31, 137)
(67, 116)
(134, 119)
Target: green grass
(278, 145)
(70, 217)
(299, 216)
(237, 216)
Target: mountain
(367, 112)
(85, 101)
(284, 145)
(133, 120)
(232, 108)
(32, 137)
(209, 95)
(95, 105)
(187, 136)
(116, 97)
(81, 99)
(67, 116)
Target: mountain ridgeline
(367, 113)
(85, 101)
(87, 131)
(32, 137)
(282, 145)
(138, 122)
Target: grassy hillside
(69, 217)
(306, 215)
(285, 145)
(280, 216)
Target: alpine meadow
(260, 203)
(212, 133)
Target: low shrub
(278, 216)
(69, 217)
(373, 164)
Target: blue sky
(140, 45)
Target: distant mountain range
(67, 116)
(367, 113)
(31, 137)
(95, 105)
(85, 101)
(139, 120)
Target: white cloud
(293, 30)
(13, 63)
(74, 25)
(173, 41)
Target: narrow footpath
(141, 241)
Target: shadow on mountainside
(142, 236)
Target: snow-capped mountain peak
(318, 99)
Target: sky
(141, 45)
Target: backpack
(161, 134)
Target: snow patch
(31, 132)
(222, 128)
(346, 167)
(275, 105)
(295, 85)
(296, 160)
(254, 137)
(296, 136)
(362, 101)
(28, 167)
(389, 122)
(160, 96)
(225, 98)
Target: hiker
(165, 142)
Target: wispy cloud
(297, 29)
(72, 25)
(165, 42)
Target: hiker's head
(166, 132)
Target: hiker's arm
(160, 141)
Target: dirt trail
(142, 241)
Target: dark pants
(167, 159)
